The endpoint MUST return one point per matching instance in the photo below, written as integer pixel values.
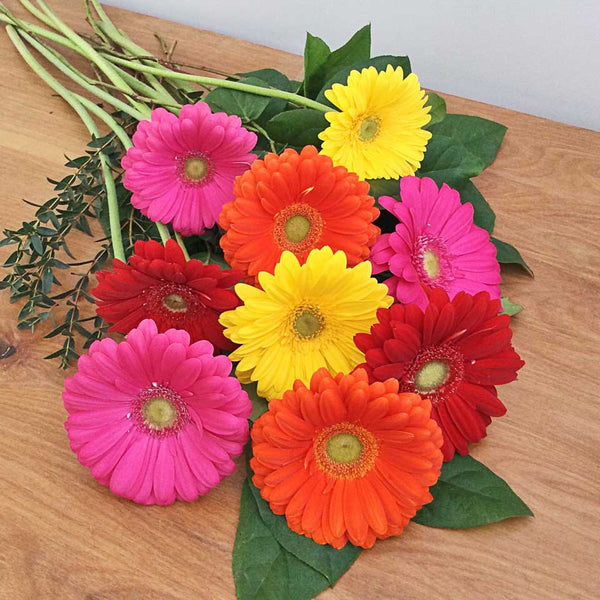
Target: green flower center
(175, 303)
(159, 413)
(369, 128)
(344, 448)
(431, 376)
(195, 168)
(297, 228)
(431, 264)
(308, 323)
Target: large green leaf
(277, 80)
(298, 127)
(245, 105)
(356, 50)
(272, 562)
(379, 62)
(460, 148)
(483, 215)
(508, 254)
(467, 495)
(316, 52)
(438, 108)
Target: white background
(536, 56)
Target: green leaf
(384, 187)
(245, 105)
(379, 62)
(467, 495)
(259, 404)
(316, 52)
(507, 254)
(298, 127)
(483, 215)
(438, 107)
(273, 79)
(323, 66)
(460, 148)
(509, 308)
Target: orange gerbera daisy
(345, 460)
(296, 202)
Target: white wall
(536, 56)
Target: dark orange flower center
(298, 227)
(435, 373)
(307, 322)
(345, 451)
(194, 168)
(159, 411)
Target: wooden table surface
(64, 536)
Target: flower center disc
(431, 376)
(159, 413)
(369, 129)
(431, 264)
(344, 448)
(196, 168)
(297, 228)
(308, 323)
(175, 303)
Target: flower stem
(70, 98)
(163, 232)
(212, 81)
(182, 245)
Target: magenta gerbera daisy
(436, 244)
(156, 418)
(181, 169)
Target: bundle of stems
(127, 77)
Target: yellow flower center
(175, 303)
(431, 264)
(195, 168)
(369, 128)
(297, 228)
(308, 322)
(431, 376)
(345, 451)
(344, 448)
(159, 413)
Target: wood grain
(64, 536)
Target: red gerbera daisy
(454, 353)
(296, 202)
(159, 284)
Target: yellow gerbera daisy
(379, 131)
(304, 317)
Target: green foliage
(509, 308)
(245, 105)
(438, 108)
(467, 495)
(483, 215)
(507, 254)
(320, 64)
(259, 404)
(271, 561)
(460, 148)
(298, 127)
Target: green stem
(109, 182)
(233, 85)
(182, 245)
(62, 65)
(163, 232)
(108, 120)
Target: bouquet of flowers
(301, 269)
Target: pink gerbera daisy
(435, 244)
(181, 169)
(156, 418)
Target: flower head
(181, 169)
(345, 460)
(379, 131)
(156, 418)
(158, 283)
(296, 202)
(303, 318)
(435, 245)
(454, 353)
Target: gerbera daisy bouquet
(301, 269)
